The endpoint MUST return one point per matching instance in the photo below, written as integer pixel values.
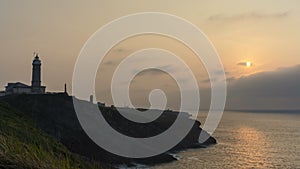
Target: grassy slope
(24, 146)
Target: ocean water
(248, 140)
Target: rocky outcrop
(54, 114)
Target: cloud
(216, 76)
(220, 72)
(121, 50)
(242, 64)
(151, 72)
(109, 63)
(157, 71)
(248, 16)
(230, 79)
(245, 64)
(279, 89)
(209, 80)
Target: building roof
(17, 85)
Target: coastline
(54, 114)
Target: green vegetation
(22, 145)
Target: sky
(264, 33)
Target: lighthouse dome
(36, 60)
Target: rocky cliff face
(54, 114)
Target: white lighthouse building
(35, 88)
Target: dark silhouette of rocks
(54, 114)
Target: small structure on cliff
(21, 88)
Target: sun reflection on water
(253, 150)
(248, 140)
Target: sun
(248, 64)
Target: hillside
(54, 114)
(22, 145)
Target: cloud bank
(246, 16)
(279, 89)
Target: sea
(247, 140)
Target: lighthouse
(36, 76)
(21, 88)
(36, 72)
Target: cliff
(54, 114)
(23, 146)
